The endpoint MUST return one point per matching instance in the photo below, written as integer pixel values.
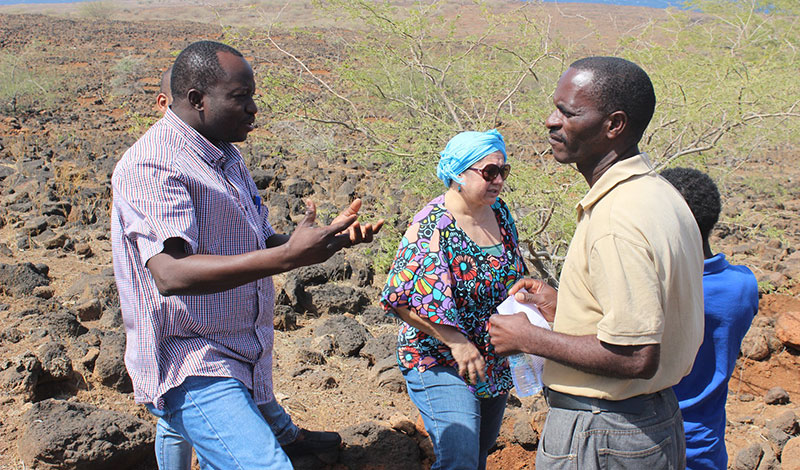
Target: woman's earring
(459, 188)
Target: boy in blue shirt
(730, 301)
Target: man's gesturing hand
(310, 244)
(356, 232)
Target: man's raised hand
(357, 233)
(310, 244)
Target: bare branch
(516, 86)
(713, 134)
(313, 75)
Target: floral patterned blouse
(440, 274)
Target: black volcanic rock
(76, 436)
(21, 279)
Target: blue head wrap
(464, 150)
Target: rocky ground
(65, 399)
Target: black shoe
(312, 442)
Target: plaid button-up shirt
(174, 183)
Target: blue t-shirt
(731, 301)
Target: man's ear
(162, 102)
(195, 98)
(617, 123)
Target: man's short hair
(620, 84)
(700, 193)
(198, 67)
(166, 78)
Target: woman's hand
(538, 293)
(471, 365)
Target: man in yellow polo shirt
(628, 315)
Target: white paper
(511, 306)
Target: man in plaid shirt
(193, 258)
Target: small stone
(12, 335)
(322, 381)
(538, 419)
(324, 344)
(90, 357)
(348, 335)
(59, 435)
(513, 401)
(392, 379)
(769, 461)
(51, 240)
(301, 370)
(84, 250)
(790, 457)
(403, 424)
(787, 329)
(748, 458)
(56, 364)
(379, 348)
(770, 280)
(369, 445)
(23, 278)
(776, 396)
(43, 292)
(524, 434)
(89, 310)
(763, 322)
(284, 318)
(755, 345)
(777, 438)
(304, 356)
(34, 226)
(109, 368)
(786, 422)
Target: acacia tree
(724, 75)
(408, 79)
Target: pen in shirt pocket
(257, 202)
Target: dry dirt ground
(92, 121)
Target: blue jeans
(218, 417)
(462, 426)
(279, 421)
(598, 440)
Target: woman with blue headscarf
(455, 264)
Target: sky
(641, 3)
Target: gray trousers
(592, 440)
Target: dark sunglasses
(490, 171)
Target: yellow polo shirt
(633, 275)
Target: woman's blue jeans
(462, 426)
(218, 417)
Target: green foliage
(407, 83)
(766, 287)
(97, 10)
(138, 122)
(21, 87)
(410, 78)
(723, 76)
(126, 72)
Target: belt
(566, 401)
